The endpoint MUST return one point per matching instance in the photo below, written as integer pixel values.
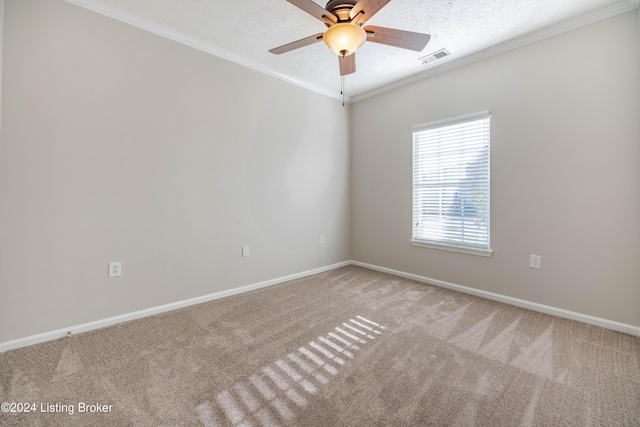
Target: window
(451, 184)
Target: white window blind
(451, 184)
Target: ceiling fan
(345, 32)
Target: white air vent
(434, 56)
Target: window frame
(444, 245)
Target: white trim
(160, 30)
(452, 121)
(176, 36)
(450, 64)
(452, 248)
(554, 311)
(59, 333)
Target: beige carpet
(350, 347)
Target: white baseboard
(554, 311)
(59, 333)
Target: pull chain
(342, 91)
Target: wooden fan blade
(398, 38)
(295, 45)
(368, 9)
(315, 10)
(347, 64)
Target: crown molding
(591, 18)
(168, 33)
(162, 31)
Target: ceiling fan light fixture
(344, 38)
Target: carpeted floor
(350, 347)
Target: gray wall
(1, 44)
(119, 145)
(565, 171)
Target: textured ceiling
(249, 28)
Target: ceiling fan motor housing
(341, 8)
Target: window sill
(453, 248)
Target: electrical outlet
(535, 261)
(245, 251)
(115, 269)
(322, 239)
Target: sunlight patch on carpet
(266, 398)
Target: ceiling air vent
(434, 56)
